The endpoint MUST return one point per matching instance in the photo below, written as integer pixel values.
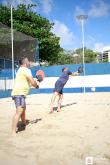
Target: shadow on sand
(22, 127)
(66, 105)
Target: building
(106, 54)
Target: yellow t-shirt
(22, 85)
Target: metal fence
(7, 63)
(5, 83)
(23, 45)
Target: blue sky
(63, 13)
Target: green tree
(31, 23)
(90, 55)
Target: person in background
(59, 85)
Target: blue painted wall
(55, 71)
(4, 94)
(90, 69)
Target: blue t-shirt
(64, 77)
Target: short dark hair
(63, 69)
(21, 60)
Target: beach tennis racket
(80, 69)
(40, 75)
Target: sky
(63, 13)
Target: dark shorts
(59, 87)
(19, 101)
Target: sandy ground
(81, 130)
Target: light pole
(82, 18)
(12, 43)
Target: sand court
(81, 130)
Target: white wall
(74, 82)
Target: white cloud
(79, 10)
(66, 36)
(47, 6)
(17, 2)
(99, 9)
(99, 47)
(105, 48)
(89, 41)
(92, 43)
(90, 37)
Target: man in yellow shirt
(23, 82)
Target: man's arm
(75, 74)
(33, 82)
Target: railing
(5, 83)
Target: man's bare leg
(52, 101)
(59, 102)
(23, 117)
(16, 118)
